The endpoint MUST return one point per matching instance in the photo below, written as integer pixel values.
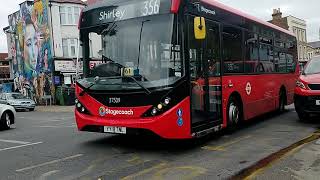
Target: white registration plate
(115, 130)
(318, 102)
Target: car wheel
(32, 109)
(234, 114)
(5, 120)
(303, 116)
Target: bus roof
(245, 15)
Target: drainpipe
(53, 52)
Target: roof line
(245, 15)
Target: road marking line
(48, 163)
(14, 141)
(190, 172)
(225, 145)
(47, 174)
(54, 120)
(56, 126)
(15, 147)
(145, 171)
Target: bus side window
(232, 49)
(252, 53)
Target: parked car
(307, 92)
(18, 101)
(7, 116)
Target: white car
(7, 116)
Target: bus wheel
(282, 101)
(234, 114)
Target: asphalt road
(47, 145)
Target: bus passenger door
(204, 67)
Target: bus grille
(314, 86)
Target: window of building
(76, 15)
(69, 47)
(63, 15)
(300, 52)
(232, 50)
(65, 48)
(69, 15)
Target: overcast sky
(304, 9)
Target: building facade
(5, 73)
(315, 48)
(298, 27)
(43, 46)
(64, 18)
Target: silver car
(18, 101)
(7, 116)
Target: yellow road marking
(193, 171)
(145, 171)
(254, 174)
(260, 166)
(225, 145)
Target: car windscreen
(16, 96)
(313, 67)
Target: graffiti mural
(31, 50)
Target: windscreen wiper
(97, 79)
(146, 89)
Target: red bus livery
(180, 69)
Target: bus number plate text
(115, 130)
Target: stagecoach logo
(248, 88)
(102, 111)
(203, 9)
(106, 111)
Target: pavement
(47, 145)
(56, 109)
(302, 163)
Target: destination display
(134, 9)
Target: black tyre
(32, 109)
(6, 120)
(282, 101)
(303, 116)
(234, 114)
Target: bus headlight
(154, 111)
(160, 108)
(80, 108)
(167, 101)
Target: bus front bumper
(307, 101)
(168, 125)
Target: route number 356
(151, 7)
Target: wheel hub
(233, 113)
(8, 121)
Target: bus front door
(205, 76)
